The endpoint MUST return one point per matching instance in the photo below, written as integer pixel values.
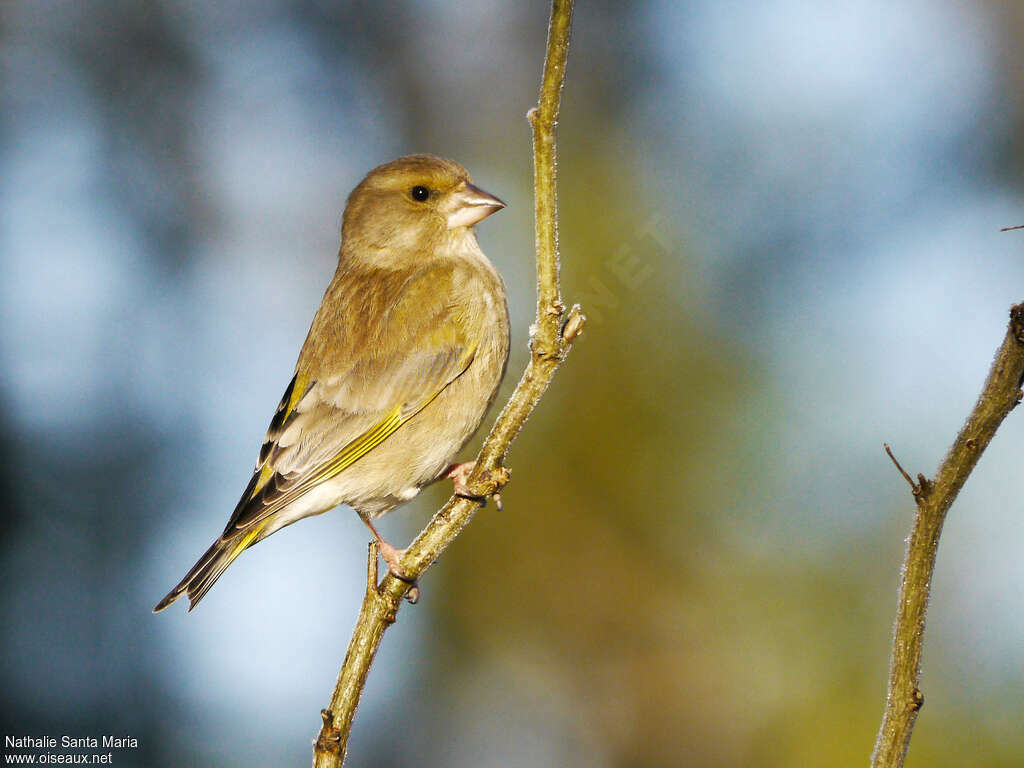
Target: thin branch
(543, 119)
(902, 471)
(550, 343)
(1001, 393)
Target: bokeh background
(782, 218)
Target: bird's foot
(458, 473)
(392, 557)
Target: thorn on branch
(327, 717)
(924, 488)
(921, 488)
(574, 323)
(329, 739)
(391, 613)
(499, 477)
(496, 479)
(903, 472)
(1017, 321)
(917, 700)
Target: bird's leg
(390, 554)
(458, 473)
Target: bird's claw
(393, 557)
(458, 473)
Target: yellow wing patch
(367, 441)
(359, 447)
(296, 391)
(355, 450)
(265, 474)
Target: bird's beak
(469, 205)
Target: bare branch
(1000, 395)
(550, 343)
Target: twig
(908, 478)
(1001, 393)
(550, 343)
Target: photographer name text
(71, 742)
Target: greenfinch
(402, 361)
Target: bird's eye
(419, 193)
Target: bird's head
(413, 203)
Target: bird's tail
(211, 565)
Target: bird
(402, 361)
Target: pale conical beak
(470, 205)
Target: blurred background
(782, 219)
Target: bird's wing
(422, 344)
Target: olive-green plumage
(400, 365)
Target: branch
(1001, 393)
(551, 339)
